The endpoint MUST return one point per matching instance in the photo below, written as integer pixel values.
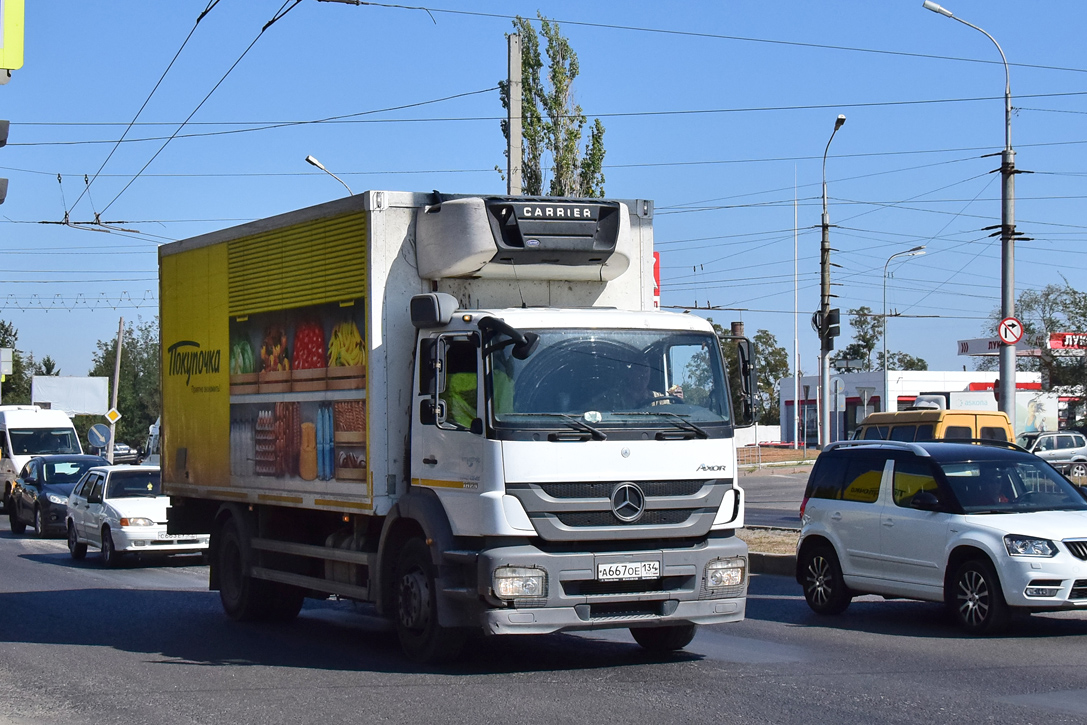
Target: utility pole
(828, 319)
(513, 119)
(116, 381)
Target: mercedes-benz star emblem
(628, 502)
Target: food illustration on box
(298, 411)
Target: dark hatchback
(39, 497)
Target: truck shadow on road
(188, 629)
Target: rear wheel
(17, 526)
(975, 598)
(824, 587)
(244, 598)
(1078, 470)
(76, 549)
(664, 639)
(111, 558)
(421, 636)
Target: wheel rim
(973, 597)
(414, 605)
(38, 522)
(1079, 470)
(107, 547)
(72, 542)
(819, 580)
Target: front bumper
(155, 540)
(1064, 573)
(577, 601)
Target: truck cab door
(447, 428)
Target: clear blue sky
(714, 110)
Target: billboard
(11, 34)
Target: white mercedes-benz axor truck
(466, 410)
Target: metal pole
(513, 119)
(116, 381)
(827, 342)
(916, 251)
(796, 327)
(1007, 225)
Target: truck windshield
(33, 441)
(662, 379)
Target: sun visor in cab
(524, 238)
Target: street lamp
(826, 340)
(915, 252)
(1007, 227)
(319, 165)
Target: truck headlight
(58, 500)
(513, 582)
(1029, 546)
(137, 521)
(722, 573)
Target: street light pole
(1007, 226)
(826, 341)
(915, 252)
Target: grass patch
(770, 541)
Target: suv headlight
(1018, 545)
(513, 582)
(58, 500)
(722, 573)
(137, 521)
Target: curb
(779, 564)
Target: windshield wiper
(577, 424)
(677, 419)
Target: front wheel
(824, 587)
(17, 526)
(421, 636)
(664, 639)
(39, 525)
(975, 599)
(111, 558)
(75, 548)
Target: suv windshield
(35, 441)
(1011, 486)
(1026, 440)
(663, 379)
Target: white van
(27, 431)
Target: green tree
(772, 361)
(139, 394)
(903, 361)
(552, 124)
(47, 366)
(15, 390)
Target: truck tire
(244, 598)
(421, 637)
(664, 639)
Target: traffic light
(3, 142)
(834, 324)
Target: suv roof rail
(901, 445)
(987, 442)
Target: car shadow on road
(128, 561)
(780, 599)
(189, 629)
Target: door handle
(888, 522)
(430, 461)
(836, 516)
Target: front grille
(604, 489)
(590, 588)
(1079, 589)
(661, 517)
(625, 610)
(1078, 547)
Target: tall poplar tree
(553, 125)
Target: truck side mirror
(749, 381)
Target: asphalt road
(773, 496)
(148, 644)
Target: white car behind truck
(27, 431)
(463, 409)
